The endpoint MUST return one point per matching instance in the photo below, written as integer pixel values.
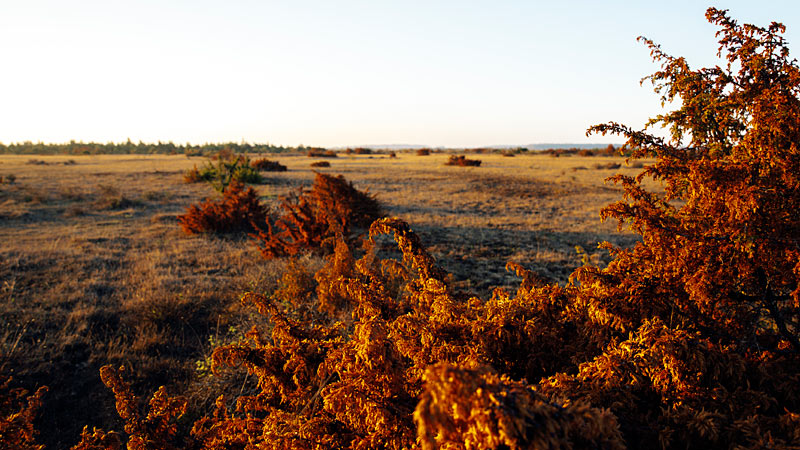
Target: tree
(720, 246)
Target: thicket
(690, 339)
(266, 165)
(321, 153)
(238, 211)
(461, 160)
(313, 218)
(223, 169)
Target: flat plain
(94, 268)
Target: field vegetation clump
(314, 217)
(320, 164)
(266, 165)
(321, 153)
(227, 169)
(461, 160)
(238, 211)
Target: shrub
(321, 153)
(238, 211)
(266, 165)
(228, 169)
(17, 413)
(423, 152)
(320, 164)
(313, 218)
(460, 160)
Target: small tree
(721, 245)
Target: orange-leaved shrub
(17, 413)
(461, 160)
(314, 217)
(267, 165)
(238, 211)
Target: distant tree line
(140, 148)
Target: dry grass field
(94, 268)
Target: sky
(344, 73)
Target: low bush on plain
(313, 218)
(238, 211)
(461, 160)
(265, 165)
(224, 170)
(321, 153)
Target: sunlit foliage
(687, 340)
(238, 211)
(314, 217)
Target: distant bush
(460, 160)
(8, 179)
(321, 153)
(314, 217)
(392, 155)
(320, 164)
(239, 211)
(423, 152)
(266, 165)
(228, 169)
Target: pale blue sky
(336, 73)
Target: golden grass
(94, 268)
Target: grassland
(95, 270)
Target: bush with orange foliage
(17, 414)
(321, 153)
(266, 165)
(238, 211)
(314, 217)
(461, 160)
(688, 339)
